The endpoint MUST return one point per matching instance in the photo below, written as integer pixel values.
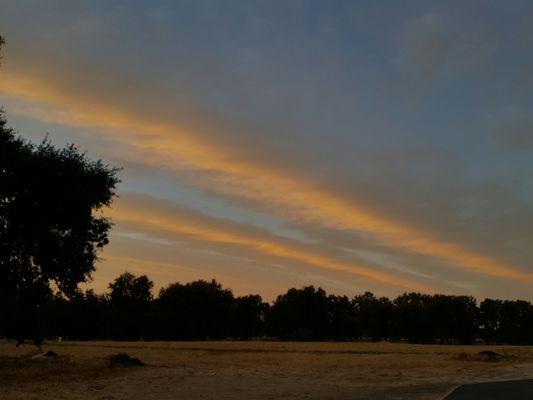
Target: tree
(128, 288)
(248, 317)
(451, 318)
(49, 229)
(516, 322)
(411, 317)
(342, 321)
(83, 316)
(197, 310)
(300, 314)
(490, 319)
(374, 315)
(130, 298)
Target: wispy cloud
(302, 120)
(168, 146)
(160, 219)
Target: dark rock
(124, 360)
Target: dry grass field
(252, 370)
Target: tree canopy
(50, 226)
(202, 310)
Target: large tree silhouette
(49, 231)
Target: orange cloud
(143, 214)
(168, 146)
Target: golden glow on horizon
(165, 273)
(173, 148)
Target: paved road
(506, 390)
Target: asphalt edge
(449, 392)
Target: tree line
(204, 310)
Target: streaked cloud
(139, 214)
(168, 146)
(337, 139)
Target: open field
(252, 370)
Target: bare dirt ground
(252, 370)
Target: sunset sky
(354, 145)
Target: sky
(379, 146)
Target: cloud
(157, 218)
(166, 264)
(210, 115)
(168, 146)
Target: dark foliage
(49, 231)
(203, 310)
(130, 300)
(300, 315)
(374, 316)
(196, 310)
(248, 317)
(423, 318)
(342, 319)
